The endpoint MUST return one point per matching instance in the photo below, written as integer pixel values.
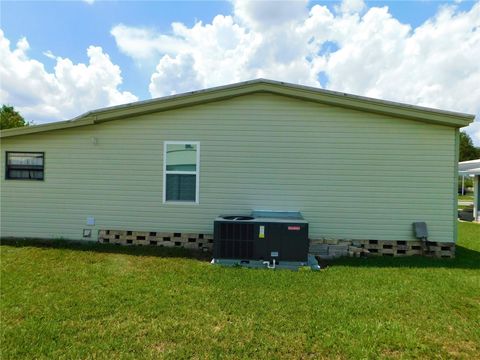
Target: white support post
(476, 197)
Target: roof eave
(327, 97)
(59, 125)
(254, 86)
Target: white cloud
(90, 2)
(352, 6)
(49, 54)
(369, 52)
(144, 44)
(69, 91)
(263, 14)
(175, 75)
(474, 130)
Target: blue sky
(68, 28)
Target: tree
(11, 118)
(467, 150)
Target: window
(24, 165)
(181, 169)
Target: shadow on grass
(134, 250)
(464, 259)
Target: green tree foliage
(11, 118)
(467, 150)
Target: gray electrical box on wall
(420, 229)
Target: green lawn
(466, 197)
(101, 301)
(465, 207)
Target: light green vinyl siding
(352, 174)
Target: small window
(24, 165)
(181, 171)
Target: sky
(59, 59)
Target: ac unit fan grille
(236, 240)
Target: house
(472, 168)
(158, 172)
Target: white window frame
(196, 172)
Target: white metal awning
(471, 167)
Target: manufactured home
(471, 168)
(361, 171)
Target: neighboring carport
(472, 168)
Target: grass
(98, 301)
(466, 197)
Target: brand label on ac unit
(261, 233)
(295, 228)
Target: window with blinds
(181, 165)
(25, 165)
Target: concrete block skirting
(167, 239)
(323, 248)
(328, 248)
